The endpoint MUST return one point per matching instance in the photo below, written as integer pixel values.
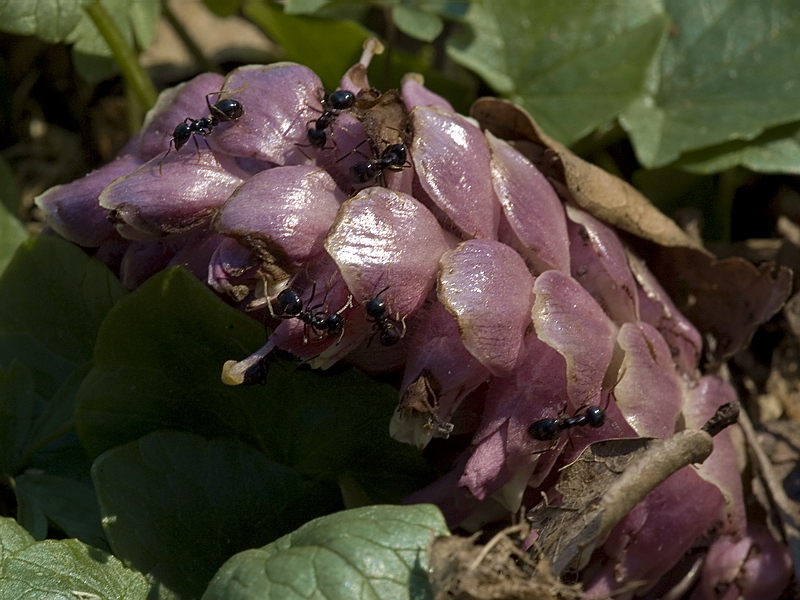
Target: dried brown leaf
(603, 485)
(726, 299)
(602, 194)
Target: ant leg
(354, 151)
(403, 323)
(220, 92)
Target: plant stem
(126, 58)
(188, 41)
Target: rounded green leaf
(417, 23)
(373, 552)
(158, 362)
(177, 506)
(727, 72)
(55, 293)
(67, 569)
(573, 65)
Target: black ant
(545, 430)
(393, 159)
(335, 103)
(290, 306)
(225, 110)
(387, 327)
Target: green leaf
(59, 296)
(177, 506)
(49, 369)
(10, 197)
(50, 21)
(727, 72)
(371, 552)
(304, 7)
(777, 150)
(12, 234)
(18, 405)
(328, 47)
(572, 65)
(71, 505)
(65, 569)
(13, 538)
(417, 23)
(136, 22)
(66, 21)
(158, 362)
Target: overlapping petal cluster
(514, 305)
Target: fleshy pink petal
(722, 467)
(196, 255)
(73, 210)
(755, 567)
(416, 94)
(436, 352)
(282, 214)
(453, 163)
(569, 320)
(657, 308)
(532, 208)
(657, 532)
(179, 195)
(487, 287)
(280, 101)
(142, 260)
(173, 106)
(649, 392)
(387, 243)
(537, 389)
(232, 270)
(600, 265)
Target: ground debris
(500, 570)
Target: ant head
(596, 416)
(363, 172)
(375, 308)
(289, 303)
(228, 109)
(334, 323)
(544, 430)
(397, 152)
(341, 100)
(181, 135)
